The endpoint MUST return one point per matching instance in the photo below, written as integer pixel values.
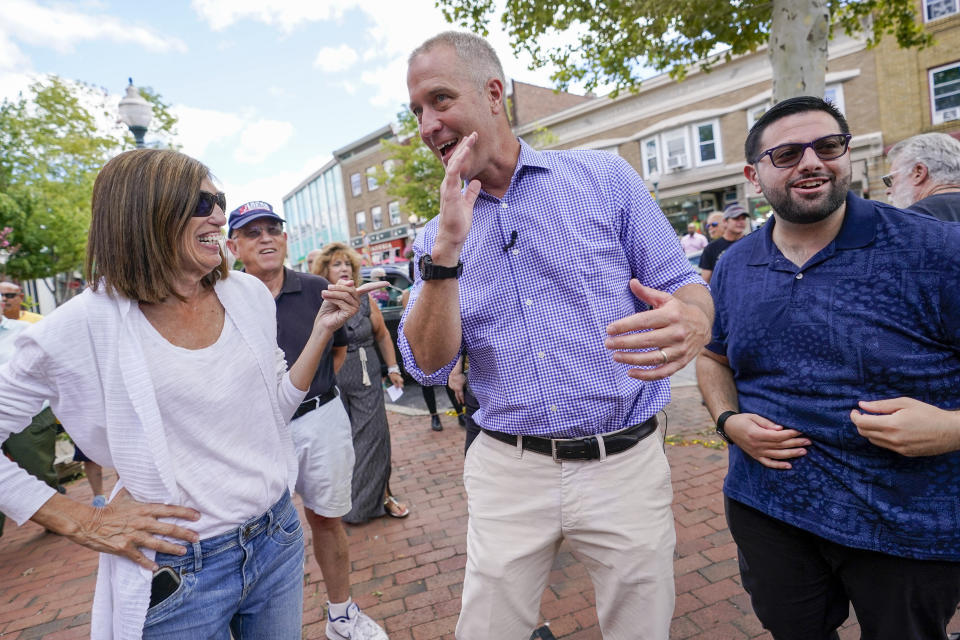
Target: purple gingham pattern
(534, 316)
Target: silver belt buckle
(553, 450)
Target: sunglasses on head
(788, 155)
(252, 231)
(10, 295)
(206, 202)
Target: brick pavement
(408, 573)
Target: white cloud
(62, 28)
(271, 188)
(260, 139)
(332, 59)
(286, 14)
(389, 83)
(200, 128)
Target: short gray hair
(938, 152)
(476, 54)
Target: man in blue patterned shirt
(569, 292)
(834, 372)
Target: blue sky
(264, 90)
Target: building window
(394, 209)
(945, 93)
(708, 143)
(675, 143)
(651, 157)
(372, 179)
(361, 218)
(754, 113)
(388, 166)
(934, 9)
(356, 186)
(376, 217)
(833, 93)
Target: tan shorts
(324, 445)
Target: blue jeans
(248, 581)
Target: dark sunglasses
(713, 224)
(788, 155)
(206, 202)
(888, 179)
(252, 231)
(10, 296)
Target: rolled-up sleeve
(24, 388)
(439, 377)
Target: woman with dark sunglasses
(168, 370)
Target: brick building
(686, 138)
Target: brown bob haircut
(327, 255)
(142, 203)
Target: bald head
(12, 299)
(313, 255)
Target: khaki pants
(614, 513)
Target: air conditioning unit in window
(677, 162)
(951, 114)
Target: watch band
(430, 271)
(722, 420)
(394, 368)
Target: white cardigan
(87, 359)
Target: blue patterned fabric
(535, 315)
(875, 314)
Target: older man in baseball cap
(735, 219)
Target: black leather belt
(315, 403)
(589, 448)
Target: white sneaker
(356, 625)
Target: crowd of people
(827, 349)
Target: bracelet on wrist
(394, 368)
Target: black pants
(430, 398)
(802, 585)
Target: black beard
(790, 210)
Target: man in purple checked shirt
(543, 268)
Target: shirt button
(553, 407)
(503, 205)
(516, 251)
(799, 276)
(541, 355)
(528, 302)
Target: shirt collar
(530, 157)
(291, 282)
(859, 228)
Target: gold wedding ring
(663, 354)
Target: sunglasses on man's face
(713, 224)
(9, 296)
(252, 231)
(206, 202)
(789, 155)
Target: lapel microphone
(513, 241)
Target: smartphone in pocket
(165, 582)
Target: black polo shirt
(297, 307)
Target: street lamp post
(136, 113)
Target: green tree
(415, 173)
(53, 141)
(615, 41)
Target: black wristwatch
(430, 271)
(722, 420)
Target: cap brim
(256, 216)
